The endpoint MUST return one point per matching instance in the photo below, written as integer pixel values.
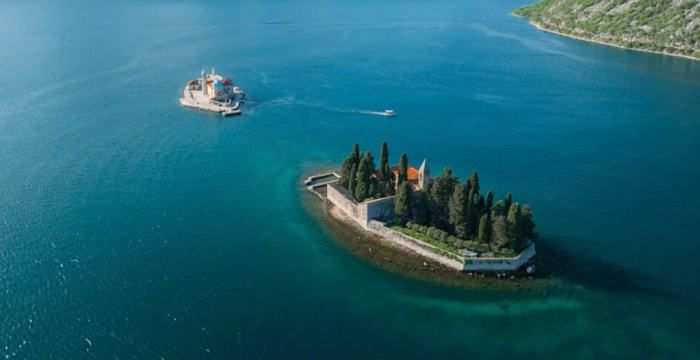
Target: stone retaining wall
(420, 247)
(500, 264)
(365, 213)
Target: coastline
(542, 28)
(384, 254)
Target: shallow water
(133, 228)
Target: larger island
(440, 218)
(670, 27)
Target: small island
(670, 27)
(439, 218)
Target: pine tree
(403, 169)
(484, 229)
(352, 179)
(402, 202)
(458, 211)
(422, 208)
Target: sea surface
(132, 228)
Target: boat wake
(290, 100)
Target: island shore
(542, 28)
(386, 255)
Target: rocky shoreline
(383, 254)
(541, 27)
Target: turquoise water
(133, 228)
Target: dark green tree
(498, 209)
(513, 226)
(458, 213)
(423, 208)
(364, 177)
(384, 170)
(372, 187)
(403, 169)
(474, 181)
(402, 202)
(508, 202)
(352, 179)
(352, 159)
(484, 235)
(355, 154)
(527, 226)
(440, 193)
(489, 202)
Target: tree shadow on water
(582, 267)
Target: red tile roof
(413, 173)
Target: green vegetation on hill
(667, 26)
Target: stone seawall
(366, 213)
(423, 249)
(500, 264)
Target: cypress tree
(402, 202)
(508, 202)
(352, 159)
(355, 154)
(345, 172)
(498, 209)
(403, 169)
(481, 205)
(384, 161)
(440, 194)
(513, 226)
(363, 177)
(484, 229)
(458, 211)
(372, 187)
(422, 208)
(474, 180)
(489, 202)
(527, 228)
(352, 179)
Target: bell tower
(423, 174)
(204, 83)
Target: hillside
(666, 26)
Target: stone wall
(422, 248)
(341, 198)
(365, 214)
(381, 208)
(500, 264)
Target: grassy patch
(425, 238)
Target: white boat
(389, 113)
(213, 92)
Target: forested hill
(666, 26)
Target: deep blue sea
(132, 228)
